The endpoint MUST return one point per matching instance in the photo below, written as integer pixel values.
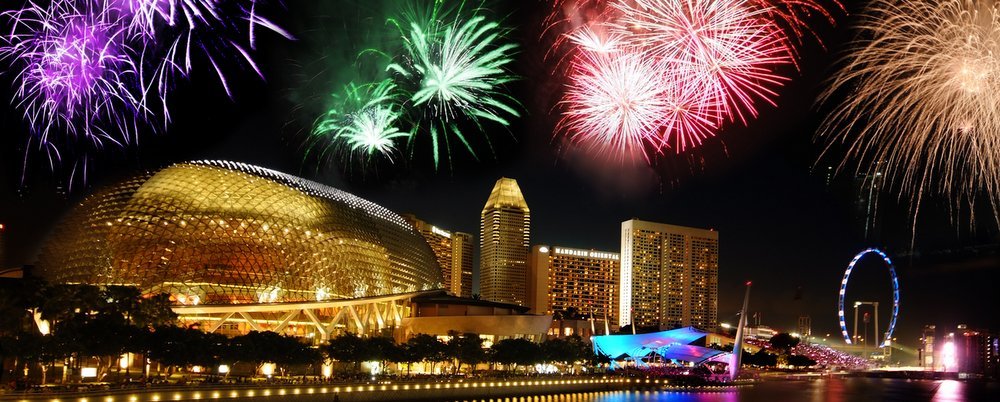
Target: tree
(270, 347)
(559, 351)
(181, 347)
(154, 311)
(62, 301)
(347, 348)
(18, 300)
(763, 359)
(85, 321)
(404, 355)
(514, 352)
(583, 350)
(784, 342)
(381, 349)
(800, 361)
(104, 336)
(427, 348)
(31, 348)
(466, 349)
(120, 300)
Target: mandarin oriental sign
(586, 253)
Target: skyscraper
(585, 280)
(504, 235)
(453, 251)
(669, 275)
(462, 262)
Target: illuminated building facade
(240, 247)
(453, 251)
(805, 326)
(669, 275)
(504, 235)
(462, 257)
(563, 278)
(967, 351)
(926, 351)
(444, 315)
(977, 351)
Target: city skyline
(823, 315)
(765, 187)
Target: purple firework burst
(90, 73)
(77, 76)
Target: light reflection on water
(823, 390)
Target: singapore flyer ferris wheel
(843, 292)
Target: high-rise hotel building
(453, 251)
(669, 275)
(461, 259)
(504, 233)
(563, 278)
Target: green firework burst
(363, 121)
(456, 60)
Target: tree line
(95, 326)
(460, 350)
(781, 344)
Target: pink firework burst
(729, 44)
(621, 101)
(702, 63)
(615, 102)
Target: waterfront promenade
(375, 391)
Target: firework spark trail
(188, 28)
(793, 16)
(75, 75)
(918, 95)
(458, 62)
(577, 25)
(364, 121)
(589, 40)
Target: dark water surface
(827, 390)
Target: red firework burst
(713, 61)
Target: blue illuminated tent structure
(675, 344)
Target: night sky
(763, 187)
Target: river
(825, 390)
